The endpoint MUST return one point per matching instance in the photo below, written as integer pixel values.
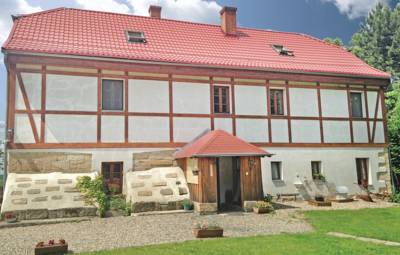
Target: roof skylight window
(136, 37)
(283, 51)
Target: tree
(336, 41)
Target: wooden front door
(250, 179)
(112, 174)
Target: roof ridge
(18, 16)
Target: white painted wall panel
(33, 86)
(336, 131)
(372, 103)
(360, 132)
(303, 102)
(334, 103)
(148, 96)
(186, 129)
(71, 128)
(280, 133)
(148, 129)
(66, 92)
(250, 100)
(112, 129)
(23, 130)
(191, 97)
(252, 130)
(379, 132)
(305, 131)
(224, 124)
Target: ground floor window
(316, 170)
(362, 171)
(276, 170)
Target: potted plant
(268, 198)
(187, 205)
(10, 217)
(206, 230)
(263, 207)
(51, 248)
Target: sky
(319, 18)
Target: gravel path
(109, 233)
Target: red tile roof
(100, 34)
(219, 143)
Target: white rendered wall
(360, 132)
(23, 130)
(66, 92)
(250, 100)
(191, 97)
(379, 132)
(112, 129)
(71, 128)
(148, 96)
(334, 103)
(305, 131)
(33, 87)
(186, 129)
(336, 131)
(280, 131)
(224, 124)
(303, 102)
(148, 129)
(338, 166)
(252, 130)
(372, 103)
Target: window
(316, 170)
(362, 171)
(283, 51)
(276, 171)
(356, 104)
(221, 99)
(135, 37)
(276, 101)
(112, 95)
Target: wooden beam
(384, 114)
(43, 106)
(269, 111)
(211, 103)
(288, 111)
(321, 125)
(11, 76)
(233, 107)
(350, 112)
(367, 113)
(375, 117)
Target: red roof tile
(219, 143)
(101, 34)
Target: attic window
(136, 37)
(282, 50)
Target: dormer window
(283, 51)
(135, 37)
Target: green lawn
(377, 223)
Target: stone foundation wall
(148, 160)
(205, 208)
(383, 173)
(47, 162)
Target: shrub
(264, 205)
(268, 198)
(119, 203)
(395, 198)
(94, 192)
(206, 225)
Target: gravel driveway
(109, 233)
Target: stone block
(144, 176)
(16, 193)
(145, 207)
(137, 185)
(145, 193)
(79, 198)
(56, 197)
(70, 189)
(205, 208)
(64, 181)
(39, 199)
(52, 188)
(182, 191)
(37, 214)
(171, 175)
(166, 192)
(23, 185)
(159, 184)
(19, 201)
(33, 191)
(249, 205)
(23, 179)
(41, 181)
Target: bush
(119, 203)
(268, 198)
(395, 198)
(94, 192)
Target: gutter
(5, 52)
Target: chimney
(228, 20)
(155, 11)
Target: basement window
(283, 51)
(135, 37)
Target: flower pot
(207, 233)
(187, 207)
(11, 220)
(261, 210)
(55, 249)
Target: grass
(376, 223)
(382, 223)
